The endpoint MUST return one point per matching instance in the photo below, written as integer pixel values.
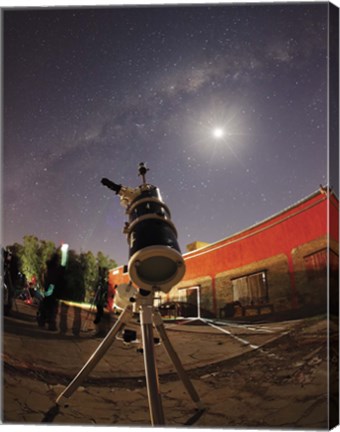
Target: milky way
(90, 93)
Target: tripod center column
(154, 396)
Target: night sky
(226, 104)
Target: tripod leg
(89, 311)
(176, 361)
(96, 356)
(154, 397)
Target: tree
(18, 278)
(45, 252)
(90, 271)
(33, 256)
(105, 262)
(93, 269)
(82, 274)
(29, 257)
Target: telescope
(155, 264)
(155, 260)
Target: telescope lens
(157, 269)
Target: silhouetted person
(53, 280)
(101, 301)
(72, 290)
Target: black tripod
(92, 308)
(149, 316)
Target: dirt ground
(282, 384)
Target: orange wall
(280, 234)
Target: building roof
(322, 191)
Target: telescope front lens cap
(159, 266)
(156, 269)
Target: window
(251, 289)
(316, 263)
(188, 295)
(333, 262)
(181, 295)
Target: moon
(218, 132)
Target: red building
(276, 265)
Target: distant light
(64, 247)
(218, 133)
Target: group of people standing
(54, 290)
